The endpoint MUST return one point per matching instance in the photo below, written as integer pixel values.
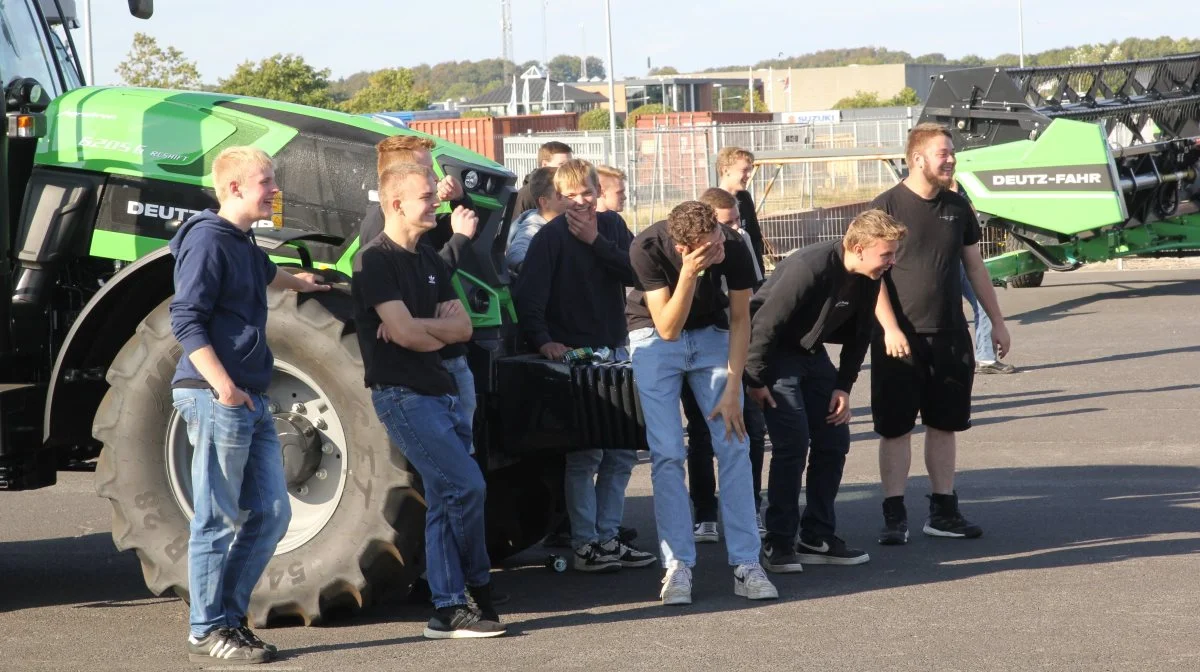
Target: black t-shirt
(384, 271)
(656, 264)
(925, 285)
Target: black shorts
(935, 381)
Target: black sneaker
(461, 622)
(248, 635)
(225, 645)
(781, 560)
(591, 558)
(627, 555)
(895, 522)
(831, 551)
(945, 520)
(484, 599)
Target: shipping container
(485, 135)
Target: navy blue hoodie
(221, 279)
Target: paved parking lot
(1084, 470)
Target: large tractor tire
(357, 515)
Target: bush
(469, 114)
(653, 108)
(595, 120)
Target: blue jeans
(985, 351)
(660, 367)
(702, 477)
(594, 485)
(237, 464)
(465, 381)
(434, 438)
(803, 385)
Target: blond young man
(571, 294)
(406, 312)
(923, 362)
(219, 389)
(823, 293)
(734, 168)
(462, 222)
(612, 189)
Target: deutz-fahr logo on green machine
(1066, 178)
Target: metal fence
(667, 165)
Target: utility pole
(612, 96)
(506, 37)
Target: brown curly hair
(691, 222)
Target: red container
(676, 119)
(485, 135)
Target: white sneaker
(751, 582)
(706, 533)
(762, 529)
(677, 586)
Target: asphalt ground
(1083, 468)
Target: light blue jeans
(431, 433)
(237, 464)
(594, 483)
(458, 367)
(985, 352)
(660, 367)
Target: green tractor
(96, 182)
(1077, 164)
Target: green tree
(387, 91)
(565, 68)
(859, 99)
(284, 77)
(665, 70)
(148, 64)
(760, 105)
(596, 120)
(906, 98)
(653, 108)
(471, 114)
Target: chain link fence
(798, 178)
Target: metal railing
(668, 165)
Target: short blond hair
(392, 178)
(718, 199)
(921, 134)
(400, 149)
(731, 155)
(575, 173)
(234, 164)
(610, 172)
(871, 226)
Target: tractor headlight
(470, 179)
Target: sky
(356, 35)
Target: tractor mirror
(26, 95)
(142, 9)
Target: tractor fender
(108, 321)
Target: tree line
(289, 78)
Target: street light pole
(1021, 32)
(87, 42)
(612, 89)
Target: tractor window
(23, 51)
(63, 54)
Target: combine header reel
(1079, 163)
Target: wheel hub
(301, 446)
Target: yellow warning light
(277, 210)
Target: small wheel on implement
(557, 563)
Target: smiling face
(256, 192)
(735, 177)
(877, 258)
(935, 160)
(716, 237)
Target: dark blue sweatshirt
(221, 279)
